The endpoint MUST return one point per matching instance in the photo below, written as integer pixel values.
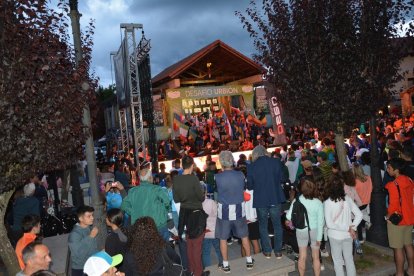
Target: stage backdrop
(194, 100)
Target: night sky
(177, 28)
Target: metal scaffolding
(135, 92)
(133, 76)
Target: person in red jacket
(400, 236)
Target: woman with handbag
(400, 216)
(339, 209)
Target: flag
(179, 125)
(227, 123)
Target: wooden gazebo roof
(215, 64)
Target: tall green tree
(42, 95)
(331, 63)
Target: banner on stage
(208, 92)
(279, 133)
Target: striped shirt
(231, 212)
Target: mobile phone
(113, 184)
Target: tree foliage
(330, 61)
(42, 92)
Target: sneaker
(359, 251)
(324, 253)
(278, 255)
(230, 241)
(322, 267)
(267, 255)
(249, 265)
(220, 266)
(296, 257)
(226, 269)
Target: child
(210, 207)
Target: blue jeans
(205, 255)
(274, 213)
(165, 234)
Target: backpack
(299, 216)
(171, 269)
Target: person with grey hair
(148, 200)
(35, 257)
(264, 177)
(24, 205)
(231, 215)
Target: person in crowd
(122, 174)
(294, 166)
(400, 192)
(210, 180)
(25, 205)
(350, 190)
(314, 207)
(115, 192)
(324, 165)
(116, 240)
(187, 192)
(177, 166)
(146, 249)
(363, 186)
(35, 257)
(407, 155)
(82, 239)
(252, 224)
(40, 193)
(264, 176)
(210, 207)
(148, 199)
(31, 228)
(162, 175)
(102, 264)
(231, 215)
(339, 210)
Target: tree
(105, 97)
(42, 95)
(331, 63)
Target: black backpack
(299, 216)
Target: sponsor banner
(208, 91)
(279, 133)
(121, 75)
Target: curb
(384, 270)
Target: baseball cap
(100, 262)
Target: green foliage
(330, 62)
(42, 93)
(106, 93)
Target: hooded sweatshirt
(406, 207)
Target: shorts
(399, 235)
(303, 238)
(254, 233)
(226, 228)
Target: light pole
(86, 120)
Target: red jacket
(407, 195)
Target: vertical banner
(278, 133)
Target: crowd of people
(172, 220)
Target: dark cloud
(176, 28)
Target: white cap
(100, 262)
